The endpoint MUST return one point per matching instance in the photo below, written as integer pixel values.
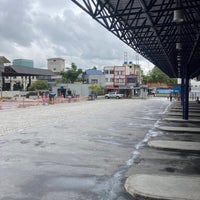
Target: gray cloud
(41, 29)
(15, 22)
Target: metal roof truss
(149, 28)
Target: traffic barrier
(23, 103)
(77, 98)
(26, 103)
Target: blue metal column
(182, 90)
(185, 92)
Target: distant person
(198, 99)
(44, 99)
(170, 97)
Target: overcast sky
(42, 29)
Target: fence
(23, 102)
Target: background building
(56, 64)
(91, 76)
(109, 76)
(119, 78)
(19, 82)
(125, 79)
(194, 89)
(23, 62)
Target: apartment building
(119, 78)
(125, 76)
(125, 79)
(109, 76)
(56, 64)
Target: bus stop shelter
(165, 32)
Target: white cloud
(42, 29)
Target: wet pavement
(81, 150)
(178, 147)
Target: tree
(71, 75)
(39, 85)
(158, 76)
(96, 89)
(94, 68)
(145, 78)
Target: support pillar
(185, 93)
(182, 90)
(29, 82)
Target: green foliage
(39, 85)
(145, 78)
(71, 75)
(158, 76)
(94, 68)
(96, 89)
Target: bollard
(23, 103)
(69, 99)
(62, 98)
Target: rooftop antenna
(137, 59)
(125, 58)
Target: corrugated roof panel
(22, 70)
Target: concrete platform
(192, 120)
(164, 187)
(179, 129)
(180, 110)
(191, 114)
(176, 145)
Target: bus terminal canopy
(166, 32)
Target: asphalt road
(76, 151)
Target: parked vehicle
(113, 95)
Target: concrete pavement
(173, 186)
(181, 129)
(175, 145)
(74, 150)
(191, 114)
(164, 187)
(181, 120)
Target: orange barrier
(36, 102)
(26, 103)
(69, 100)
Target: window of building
(94, 81)
(112, 80)
(111, 71)
(106, 79)
(121, 80)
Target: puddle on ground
(72, 183)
